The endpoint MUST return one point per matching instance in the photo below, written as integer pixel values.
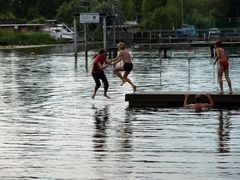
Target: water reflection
(32, 79)
(126, 133)
(160, 68)
(189, 73)
(51, 130)
(224, 132)
(101, 120)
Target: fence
(170, 36)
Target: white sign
(89, 18)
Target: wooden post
(75, 39)
(85, 45)
(212, 51)
(165, 53)
(104, 33)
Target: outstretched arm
(217, 56)
(216, 59)
(186, 101)
(211, 102)
(117, 59)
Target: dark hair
(198, 98)
(218, 44)
(101, 51)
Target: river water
(50, 128)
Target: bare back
(220, 53)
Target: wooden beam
(171, 99)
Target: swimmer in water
(199, 105)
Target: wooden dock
(171, 99)
(164, 47)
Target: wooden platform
(171, 99)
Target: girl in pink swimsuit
(223, 67)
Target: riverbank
(27, 46)
(26, 38)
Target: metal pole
(104, 33)
(85, 45)
(182, 12)
(75, 35)
(114, 30)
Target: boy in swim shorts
(127, 66)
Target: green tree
(234, 7)
(30, 9)
(152, 13)
(152, 10)
(5, 9)
(130, 9)
(66, 11)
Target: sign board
(89, 18)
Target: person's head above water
(198, 98)
(121, 46)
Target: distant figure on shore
(127, 66)
(99, 64)
(199, 105)
(223, 67)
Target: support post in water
(75, 39)
(104, 32)
(85, 45)
(87, 18)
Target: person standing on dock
(223, 67)
(199, 105)
(127, 66)
(99, 63)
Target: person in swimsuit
(127, 66)
(223, 67)
(199, 105)
(100, 63)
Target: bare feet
(105, 95)
(220, 92)
(93, 95)
(123, 81)
(134, 88)
(230, 92)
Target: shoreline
(27, 46)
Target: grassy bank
(30, 38)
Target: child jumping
(127, 66)
(100, 63)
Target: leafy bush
(31, 38)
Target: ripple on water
(52, 129)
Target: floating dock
(171, 99)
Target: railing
(170, 36)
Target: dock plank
(175, 99)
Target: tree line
(151, 14)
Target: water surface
(52, 129)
